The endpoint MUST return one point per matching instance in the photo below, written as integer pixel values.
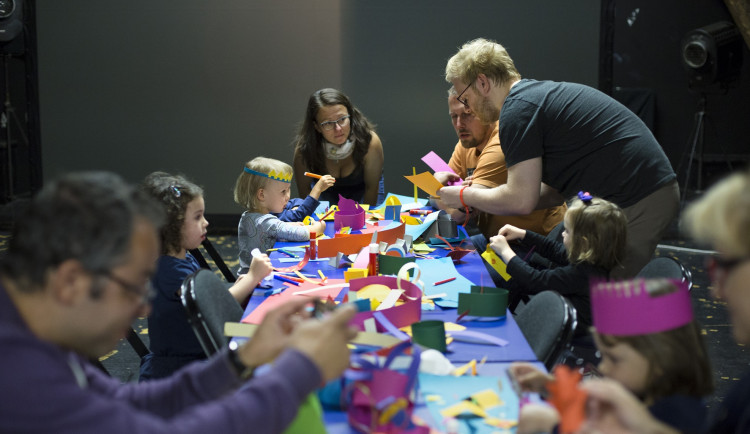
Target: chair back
(666, 267)
(548, 322)
(216, 257)
(209, 305)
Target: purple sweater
(48, 389)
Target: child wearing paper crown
(172, 340)
(650, 343)
(593, 244)
(263, 190)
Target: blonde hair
(721, 217)
(247, 185)
(599, 232)
(481, 56)
(678, 360)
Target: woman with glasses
(337, 139)
(721, 218)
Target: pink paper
(437, 164)
(331, 288)
(400, 316)
(350, 214)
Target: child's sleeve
(547, 248)
(303, 209)
(291, 232)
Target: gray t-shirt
(261, 231)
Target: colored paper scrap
(407, 203)
(309, 419)
(416, 231)
(567, 398)
(447, 391)
(430, 334)
(496, 263)
(437, 164)
(389, 265)
(405, 314)
(332, 288)
(435, 270)
(354, 273)
(485, 302)
(350, 214)
(426, 182)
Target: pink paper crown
(626, 308)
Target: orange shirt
(489, 170)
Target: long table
(497, 358)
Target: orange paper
(426, 182)
(567, 398)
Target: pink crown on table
(626, 308)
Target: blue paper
(435, 270)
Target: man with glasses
(74, 278)
(478, 157)
(560, 138)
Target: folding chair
(667, 267)
(548, 322)
(216, 257)
(209, 305)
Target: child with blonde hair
(594, 241)
(173, 343)
(263, 189)
(650, 344)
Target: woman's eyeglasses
(342, 122)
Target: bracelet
(461, 198)
(243, 371)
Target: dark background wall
(200, 87)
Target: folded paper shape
(406, 314)
(350, 214)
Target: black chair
(216, 257)
(666, 267)
(209, 305)
(548, 322)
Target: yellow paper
(495, 262)
(414, 173)
(354, 273)
(410, 220)
(463, 407)
(427, 182)
(486, 399)
(422, 247)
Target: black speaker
(11, 19)
(712, 55)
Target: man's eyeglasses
(145, 292)
(464, 101)
(342, 122)
(725, 265)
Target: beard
(487, 112)
(469, 143)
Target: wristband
(243, 371)
(461, 197)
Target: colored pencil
(288, 253)
(312, 175)
(326, 215)
(285, 279)
(445, 281)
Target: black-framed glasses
(341, 122)
(464, 101)
(145, 292)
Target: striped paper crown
(278, 176)
(627, 308)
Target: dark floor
(729, 359)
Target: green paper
(309, 419)
(389, 265)
(484, 301)
(430, 334)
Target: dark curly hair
(174, 192)
(308, 145)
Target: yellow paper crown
(279, 176)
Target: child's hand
(324, 183)
(260, 267)
(511, 232)
(529, 377)
(499, 244)
(318, 227)
(536, 418)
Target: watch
(243, 371)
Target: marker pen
(419, 211)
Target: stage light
(712, 56)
